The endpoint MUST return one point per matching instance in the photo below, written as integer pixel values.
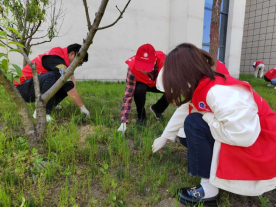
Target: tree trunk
(27, 53)
(214, 34)
(22, 109)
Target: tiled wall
(259, 36)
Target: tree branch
(80, 55)
(40, 104)
(120, 16)
(18, 18)
(39, 43)
(33, 30)
(6, 44)
(25, 20)
(87, 14)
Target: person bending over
(143, 70)
(50, 66)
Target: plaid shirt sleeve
(129, 92)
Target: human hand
(85, 111)
(122, 128)
(158, 144)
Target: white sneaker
(34, 114)
(48, 117)
(270, 85)
(58, 107)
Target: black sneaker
(194, 196)
(156, 115)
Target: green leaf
(102, 170)
(34, 151)
(1, 45)
(3, 34)
(18, 69)
(15, 31)
(9, 76)
(16, 43)
(17, 79)
(23, 202)
(15, 50)
(105, 166)
(2, 54)
(5, 64)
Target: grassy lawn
(88, 163)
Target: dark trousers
(140, 92)
(46, 81)
(199, 142)
(266, 79)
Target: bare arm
(74, 94)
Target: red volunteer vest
(271, 74)
(258, 63)
(221, 68)
(257, 162)
(27, 71)
(141, 77)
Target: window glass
(206, 48)
(209, 4)
(223, 29)
(206, 26)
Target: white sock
(209, 189)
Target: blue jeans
(199, 142)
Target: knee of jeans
(273, 81)
(193, 121)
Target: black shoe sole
(205, 202)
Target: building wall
(259, 37)
(164, 24)
(143, 22)
(186, 23)
(234, 36)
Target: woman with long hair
(231, 139)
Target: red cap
(145, 58)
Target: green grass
(88, 163)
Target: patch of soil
(85, 131)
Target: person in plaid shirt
(143, 69)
